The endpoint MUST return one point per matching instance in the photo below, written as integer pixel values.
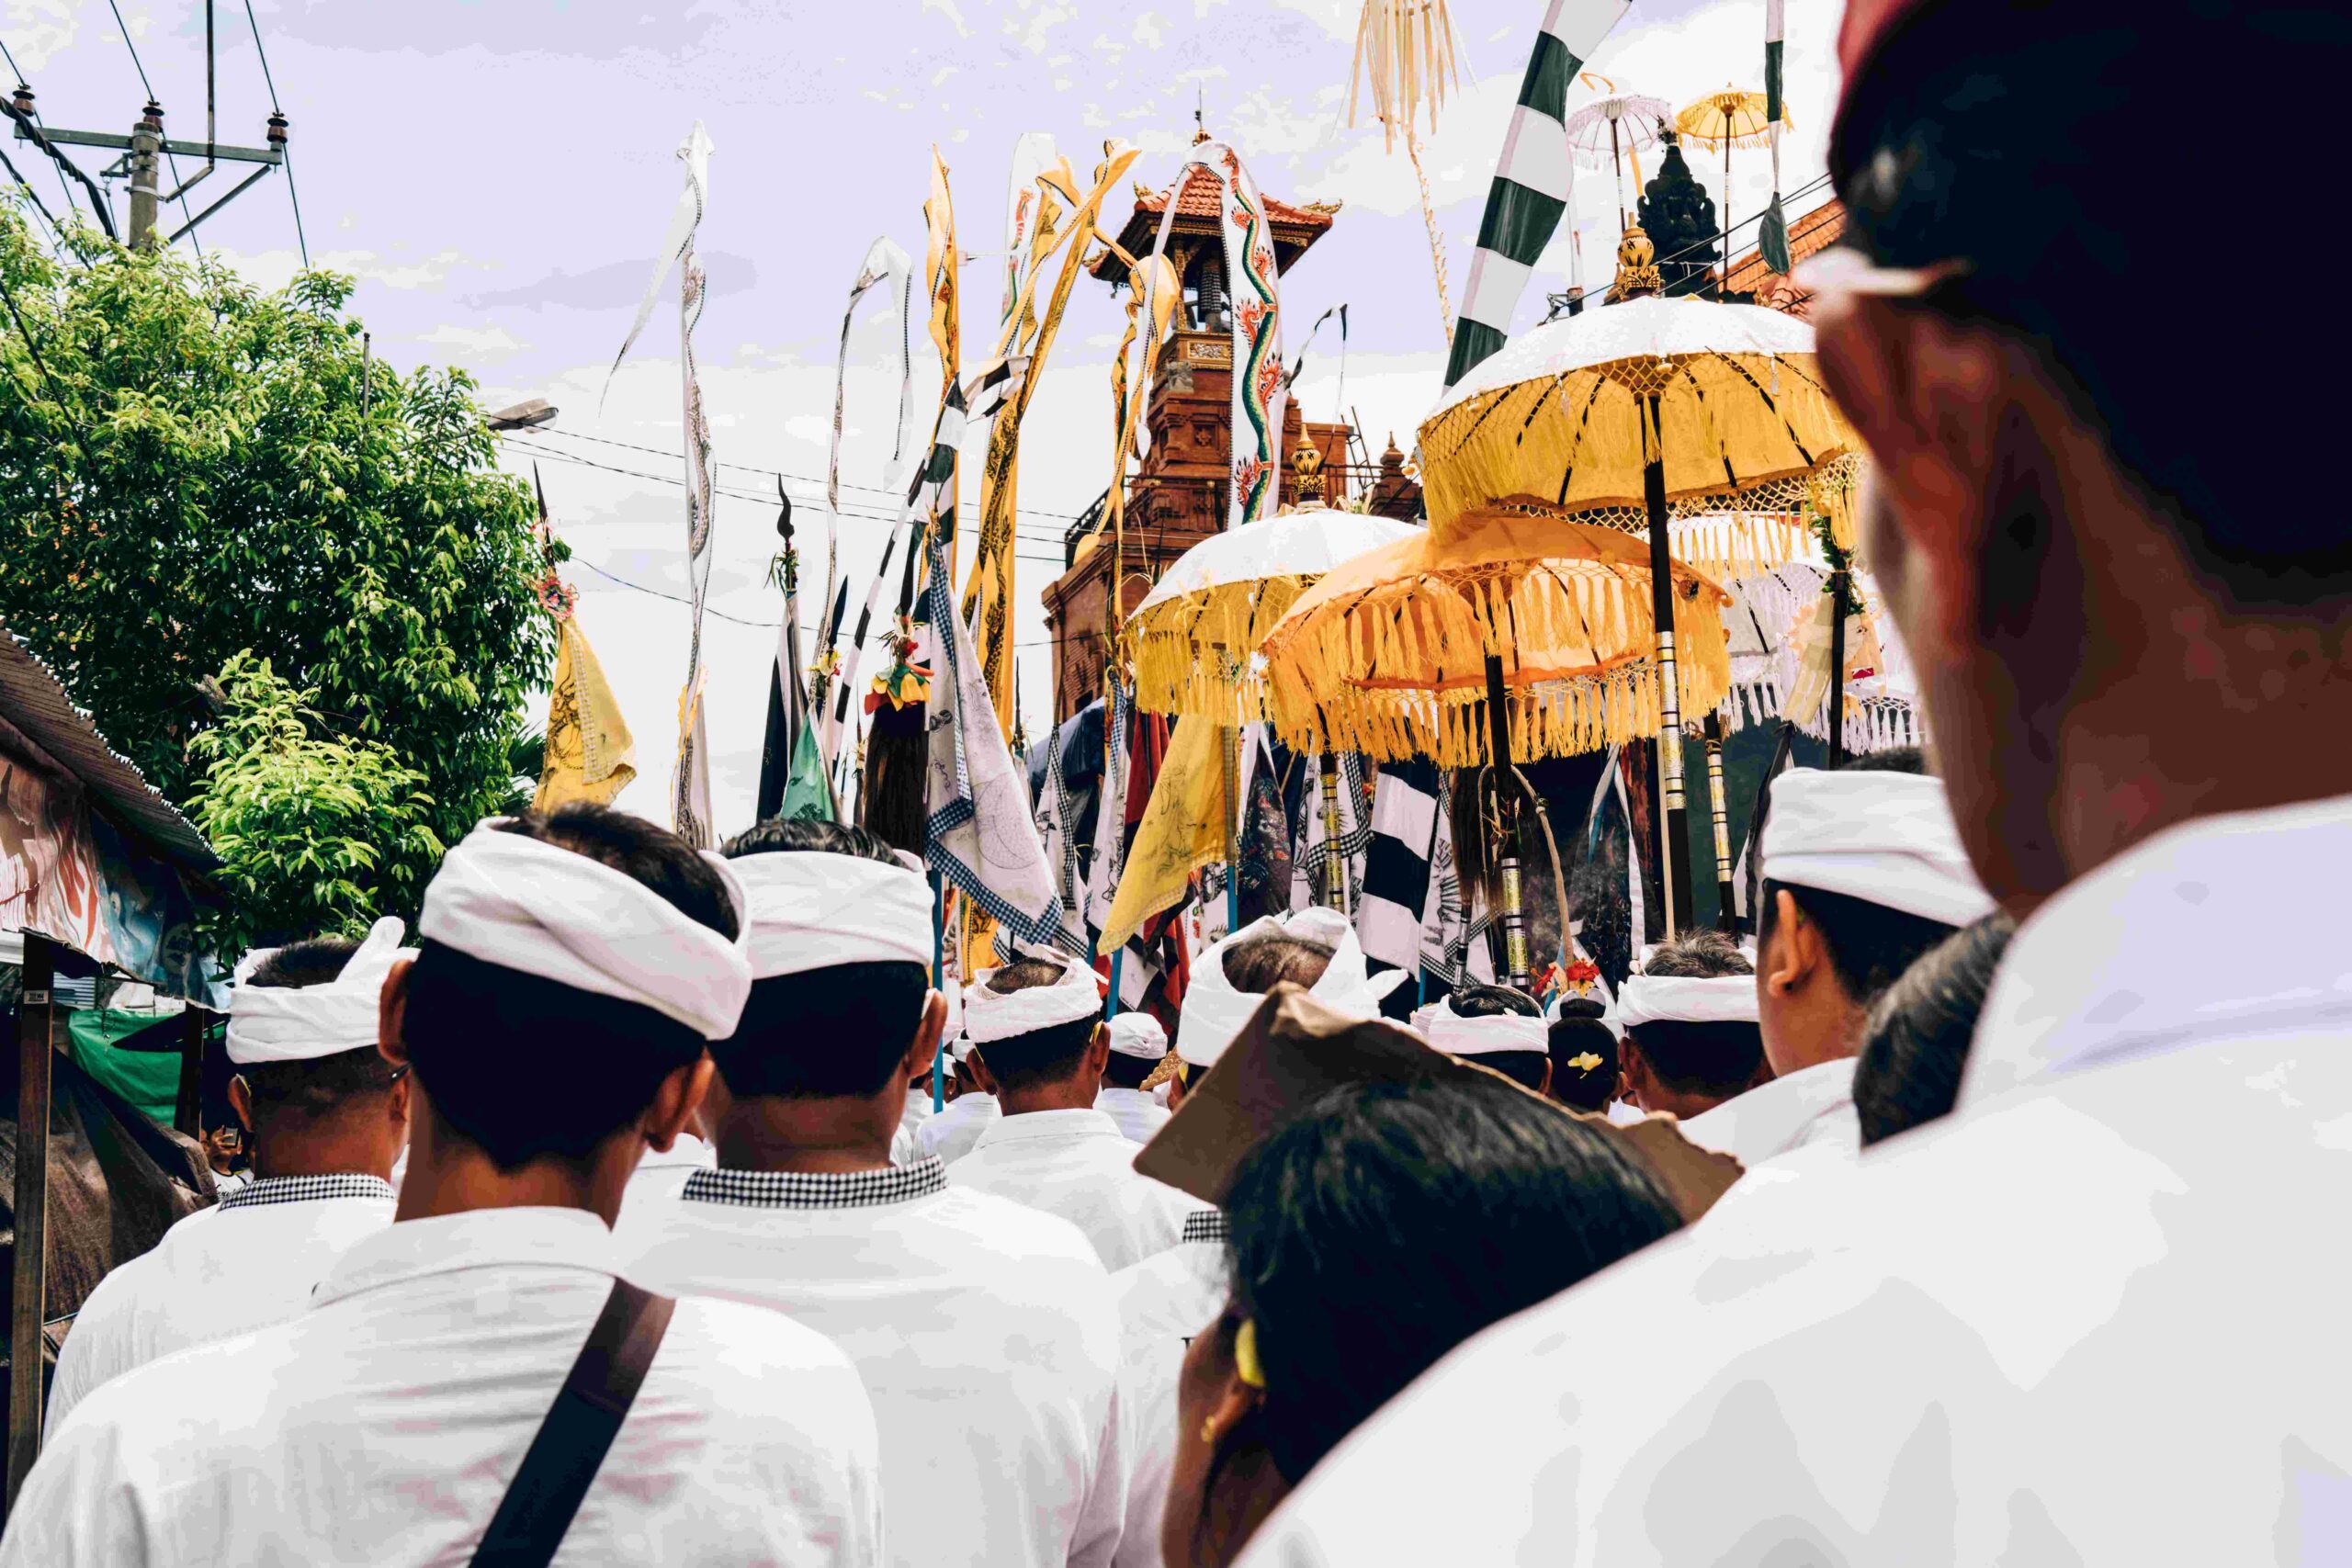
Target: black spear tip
(784, 513)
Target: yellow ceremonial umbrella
(1522, 605)
(1192, 640)
(1727, 120)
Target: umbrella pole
(1335, 866)
(1514, 910)
(1232, 771)
(1722, 290)
(1836, 669)
(1726, 903)
(1674, 876)
(1618, 165)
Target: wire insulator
(278, 131)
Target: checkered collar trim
(802, 1189)
(1207, 1224)
(304, 1188)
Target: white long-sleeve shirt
(384, 1424)
(949, 1135)
(250, 1260)
(1078, 1165)
(985, 1332)
(661, 1175)
(1812, 1105)
(1163, 1301)
(1138, 1114)
(2095, 1315)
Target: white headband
(813, 909)
(1138, 1034)
(1886, 839)
(1215, 1014)
(990, 1015)
(301, 1023)
(513, 901)
(1668, 999)
(1458, 1036)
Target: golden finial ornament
(1637, 271)
(1307, 462)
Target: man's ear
(241, 1100)
(1545, 1087)
(391, 1014)
(924, 1047)
(674, 1102)
(1098, 1051)
(1792, 953)
(1632, 1072)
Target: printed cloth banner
(590, 754)
(1260, 391)
(1530, 184)
(884, 261)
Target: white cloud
(473, 342)
(275, 268)
(1148, 29)
(954, 15)
(39, 30)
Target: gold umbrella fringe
(1192, 654)
(1574, 634)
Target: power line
(756, 626)
(287, 153)
(138, 66)
(19, 72)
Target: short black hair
(1128, 1072)
(305, 1091)
(1476, 1000)
(1917, 1043)
(1714, 1059)
(1891, 759)
(1390, 1221)
(1576, 1033)
(1869, 945)
(1041, 1056)
(523, 1067)
(1968, 116)
(835, 1032)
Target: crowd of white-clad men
(1965, 1216)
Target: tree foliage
(315, 834)
(191, 468)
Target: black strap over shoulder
(578, 1430)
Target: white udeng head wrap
(513, 901)
(990, 1015)
(1138, 1034)
(1671, 998)
(1886, 839)
(1458, 1036)
(1215, 1014)
(291, 1023)
(811, 909)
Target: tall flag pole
(690, 788)
(1530, 184)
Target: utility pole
(146, 152)
(142, 153)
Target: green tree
(191, 468)
(315, 834)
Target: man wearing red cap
(2095, 1315)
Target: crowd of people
(612, 1219)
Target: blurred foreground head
(2098, 514)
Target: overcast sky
(498, 174)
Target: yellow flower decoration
(1585, 1063)
(1245, 1355)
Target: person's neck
(1067, 1094)
(449, 1175)
(316, 1152)
(1681, 1104)
(813, 1138)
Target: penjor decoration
(588, 754)
(690, 787)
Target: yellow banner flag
(589, 753)
(1182, 830)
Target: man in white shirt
(984, 1331)
(1499, 1028)
(661, 1175)
(573, 969)
(1163, 1301)
(1688, 1016)
(949, 1136)
(1037, 1025)
(1862, 872)
(2131, 630)
(325, 1113)
(1138, 1046)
